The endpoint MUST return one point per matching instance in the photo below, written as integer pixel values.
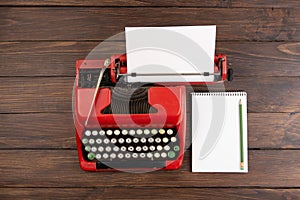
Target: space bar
(130, 164)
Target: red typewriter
(130, 126)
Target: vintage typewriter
(130, 126)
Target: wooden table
(39, 43)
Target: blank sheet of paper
(180, 49)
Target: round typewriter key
(91, 156)
(135, 140)
(108, 149)
(171, 154)
(94, 149)
(173, 139)
(176, 148)
(150, 140)
(159, 148)
(116, 148)
(139, 131)
(163, 155)
(149, 155)
(128, 140)
(130, 148)
(120, 155)
(131, 132)
(85, 141)
(91, 141)
(87, 148)
(167, 148)
(127, 155)
(121, 140)
(106, 140)
(94, 133)
(154, 131)
(123, 148)
(113, 140)
(157, 155)
(142, 155)
(109, 132)
(117, 132)
(165, 140)
(98, 141)
(170, 131)
(105, 155)
(152, 148)
(157, 140)
(98, 156)
(138, 148)
(102, 132)
(145, 148)
(113, 155)
(162, 131)
(146, 132)
(87, 133)
(143, 140)
(100, 149)
(124, 132)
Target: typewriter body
(130, 126)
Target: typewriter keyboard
(107, 145)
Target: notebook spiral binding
(220, 93)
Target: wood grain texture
(54, 94)
(265, 4)
(60, 168)
(48, 23)
(58, 58)
(119, 3)
(149, 193)
(56, 130)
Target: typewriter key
(100, 149)
(124, 132)
(157, 140)
(152, 148)
(154, 131)
(113, 155)
(171, 154)
(145, 148)
(167, 148)
(142, 155)
(165, 140)
(117, 132)
(109, 132)
(163, 155)
(91, 156)
(161, 131)
(108, 149)
(130, 148)
(150, 140)
(138, 148)
(176, 148)
(157, 155)
(143, 140)
(146, 132)
(94, 149)
(159, 148)
(98, 156)
(173, 139)
(128, 140)
(94, 133)
(106, 140)
(102, 132)
(87, 133)
(98, 141)
(120, 155)
(87, 148)
(131, 132)
(105, 155)
(91, 141)
(149, 155)
(121, 140)
(135, 140)
(127, 155)
(116, 148)
(113, 140)
(123, 148)
(170, 131)
(139, 131)
(85, 141)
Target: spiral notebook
(219, 136)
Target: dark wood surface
(39, 43)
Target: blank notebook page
(216, 132)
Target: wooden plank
(119, 3)
(147, 193)
(48, 23)
(54, 94)
(53, 168)
(265, 4)
(56, 130)
(58, 58)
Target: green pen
(241, 135)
